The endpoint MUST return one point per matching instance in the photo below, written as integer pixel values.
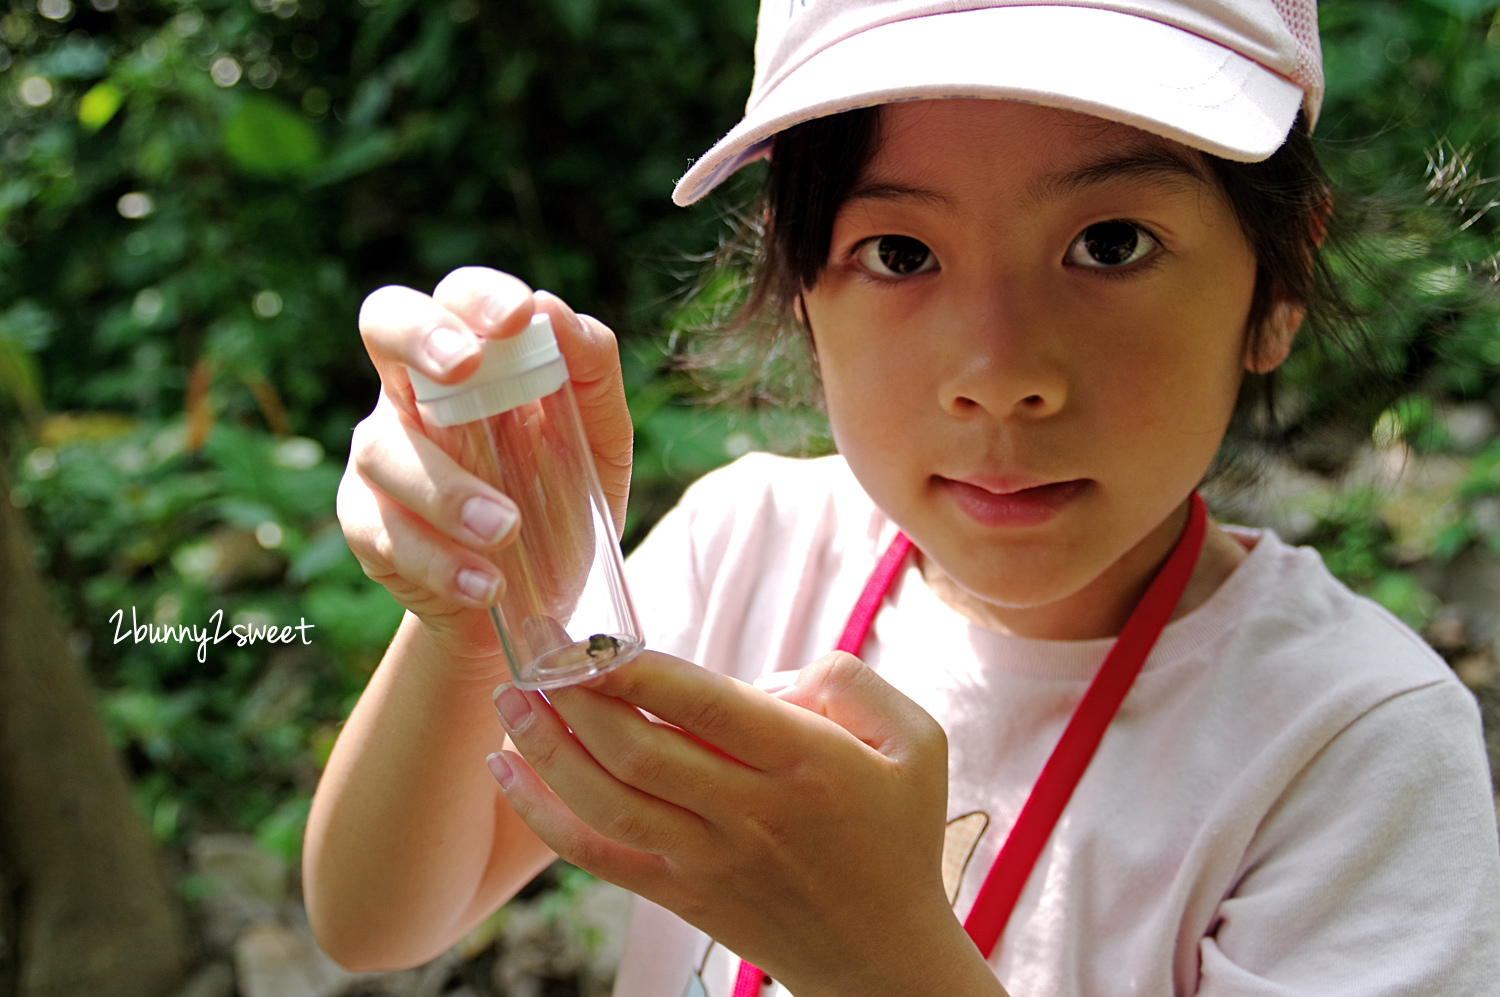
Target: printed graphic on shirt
(960, 839)
(716, 971)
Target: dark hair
(755, 349)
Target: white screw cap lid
(512, 371)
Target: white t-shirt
(1294, 798)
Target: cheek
(1218, 351)
(868, 359)
(1182, 380)
(869, 412)
(1152, 405)
(1183, 355)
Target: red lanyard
(1075, 749)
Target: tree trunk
(85, 907)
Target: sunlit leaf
(99, 105)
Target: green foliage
(195, 197)
(1409, 118)
(147, 536)
(193, 200)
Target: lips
(1011, 502)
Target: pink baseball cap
(1224, 76)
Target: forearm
(409, 843)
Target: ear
(1276, 336)
(1286, 317)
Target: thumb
(847, 691)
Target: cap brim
(1120, 67)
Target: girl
(1095, 744)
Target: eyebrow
(889, 191)
(1148, 165)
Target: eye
(1111, 245)
(894, 256)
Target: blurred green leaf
(18, 377)
(577, 16)
(28, 325)
(361, 153)
(78, 57)
(323, 554)
(281, 833)
(353, 617)
(266, 138)
(1400, 593)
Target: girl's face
(1031, 333)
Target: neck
(1100, 609)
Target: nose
(1003, 358)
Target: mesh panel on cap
(1301, 18)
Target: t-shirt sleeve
(1378, 872)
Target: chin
(1017, 578)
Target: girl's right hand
(415, 519)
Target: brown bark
(89, 908)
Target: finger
(847, 691)
(402, 327)
(593, 359)
(564, 832)
(590, 346)
(748, 725)
(621, 813)
(399, 460)
(543, 633)
(655, 758)
(493, 304)
(406, 555)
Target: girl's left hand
(804, 830)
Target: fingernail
(487, 519)
(477, 585)
(447, 347)
(500, 769)
(515, 712)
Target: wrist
(464, 649)
(936, 958)
(961, 970)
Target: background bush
(194, 198)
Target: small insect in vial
(603, 647)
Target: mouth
(1011, 502)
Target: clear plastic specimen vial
(564, 614)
